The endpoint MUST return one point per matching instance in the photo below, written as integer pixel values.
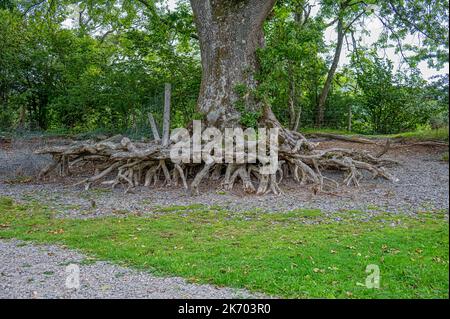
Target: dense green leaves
(425, 19)
(388, 103)
(105, 71)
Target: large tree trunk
(230, 32)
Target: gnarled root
(133, 164)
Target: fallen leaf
(56, 232)
(318, 270)
(333, 268)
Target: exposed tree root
(352, 139)
(133, 164)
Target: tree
(230, 32)
(291, 63)
(347, 14)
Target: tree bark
(297, 119)
(330, 76)
(292, 112)
(230, 32)
(295, 109)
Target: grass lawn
(280, 254)
(440, 134)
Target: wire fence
(140, 126)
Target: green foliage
(424, 133)
(54, 78)
(248, 118)
(389, 103)
(291, 64)
(427, 20)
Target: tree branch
(411, 23)
(33, 6)
(386, 25)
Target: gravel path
(38, 271)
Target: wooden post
(349, 118)
(166, 121)
(151, 119)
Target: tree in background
(291, 62)
(106, 70)
(390, 103)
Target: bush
(6, 120)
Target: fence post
(166, 120)
(151, 119)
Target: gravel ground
(17, 158)
(38, 271)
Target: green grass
(274, 253)
(425, 134)
(326, 130)
(178, 208)
(440, 134)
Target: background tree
(291, 62)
